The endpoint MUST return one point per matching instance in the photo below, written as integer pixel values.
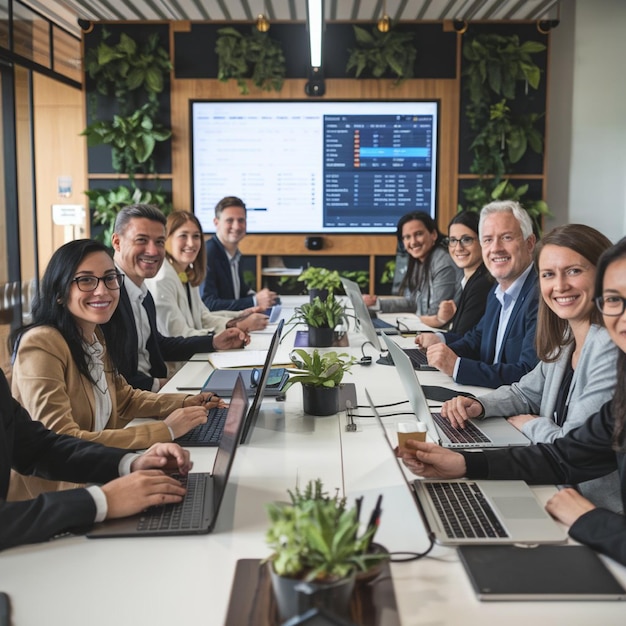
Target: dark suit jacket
(582, 454)
(30, 448)
(161, 348)
(218, 291)
(471, 306)
(477, 347)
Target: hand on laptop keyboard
(460, 409)
(183, 420)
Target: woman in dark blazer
(464, 247)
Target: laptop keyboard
(210, 432)
(417, 356)
(378, 323)
(470, 434)
(182, 516)
(464, 511)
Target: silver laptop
(465, 512)
(197, 513)
(491, 432)
(366, 326)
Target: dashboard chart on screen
(323, 166)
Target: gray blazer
(444, 283)
(536, 393)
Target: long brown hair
(175, 220)
(417, 271)
(553, 333)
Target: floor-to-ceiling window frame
(30, 47)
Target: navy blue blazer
(477, 347)
(218, 291)
(160, 348)
(30, 448)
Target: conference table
(75, 581)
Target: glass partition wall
(40, 91)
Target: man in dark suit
(500, 349)
(139, 250)
(224, 286)
(28, 447)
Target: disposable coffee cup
(411, 430)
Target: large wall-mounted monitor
(315, 166)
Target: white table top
(74, 581)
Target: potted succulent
(322, 317)
(320, 375)
(316, 551)
(320, 282)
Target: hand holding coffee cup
(410, 430)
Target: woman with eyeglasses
(431, 276)
(576, 374)
(63, 373)
(594, 449)
(175, 288)
(464, 247)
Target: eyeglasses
(465, 241)
(611, 306)
(90, 283)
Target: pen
(188, 388)
(357, 515)
(375, 518)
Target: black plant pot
(322, 294)
(295, 597)
(321, 337)
(320, 401)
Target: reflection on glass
(67, 56)
(31, 35)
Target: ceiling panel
(66, 12)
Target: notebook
(540, 573)
(222, 382)
(491, 432)
(489, 511)
(197, 513)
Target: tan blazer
(48, 384)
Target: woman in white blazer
(175, 289)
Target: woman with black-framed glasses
(464, 247)
(63, 373)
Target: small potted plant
(320, 282)
(320, 375)
(316, 551)
(322, 317)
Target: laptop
(364, 320)
(197, 513)
(255, 406)
(209, 433)
(491, 432)
(471, 512)
(366, 327)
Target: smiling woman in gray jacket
(577, 371)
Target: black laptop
(209, 433)
(197, 513)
